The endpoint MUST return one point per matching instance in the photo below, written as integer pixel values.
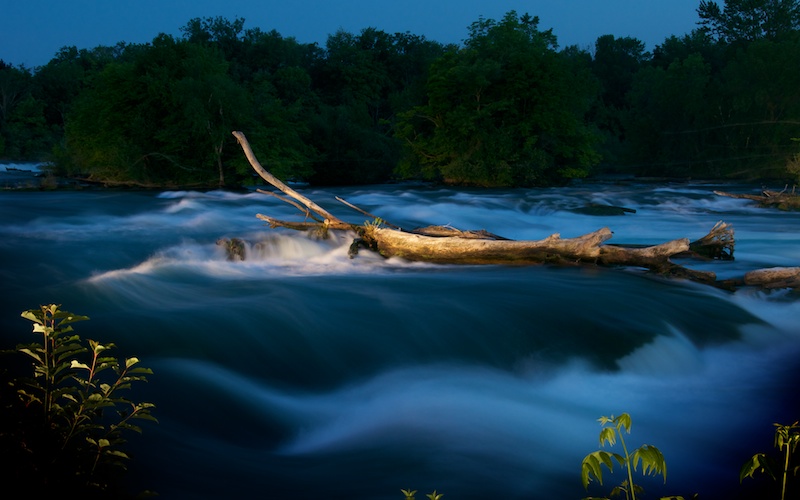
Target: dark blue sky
(32, 31)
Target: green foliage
(166, 118)
(65, 416)
(365, 82)
(664, 123)
(749, 20)
(24, 133)
(374, 223)
(793, 165)
(615, 63)
(505, 110)
(787, 438)
(410, 495)
(649, 457)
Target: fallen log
(470, 250)
(774, 277)
(782, 200)
(448, 245)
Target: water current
(301, 373)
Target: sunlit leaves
(758, 463)
(409, 494)
(649, 457)
(787, 438)
(74, 411)
(77, 364)
(608, 435)
(591, 466)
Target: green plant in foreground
(786, 439)
(62, 429)
(650, 457)
(409, 495)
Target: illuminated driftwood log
(448, 245)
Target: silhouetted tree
(749, 20)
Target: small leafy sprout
(650, 458)
(786, 439)
(409, 494)
(374, 224)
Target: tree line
(507, 107)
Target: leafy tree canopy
(504, 110)
(749, 20)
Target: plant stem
(49, 365)
(785, 472)
(79, 413)
(630, 493)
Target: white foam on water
(670, 355)
(270, 255)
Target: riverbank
(34, 177)
(25, 176)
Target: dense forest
(507, 107)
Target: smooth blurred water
(301, 373)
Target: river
(301, 373)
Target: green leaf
(608, 435)
(117, 453)
(31, 354)
(605, 420)
(758, 463)
(32, 315)
(143, 370)
(592, 465)
(67, 318)
(77, 364)
(619, 490)
(624, 420)
(409, 494)
(652, 460)
(67, 347)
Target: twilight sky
(32, 31)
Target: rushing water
(301, 373)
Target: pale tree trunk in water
(448, 245)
